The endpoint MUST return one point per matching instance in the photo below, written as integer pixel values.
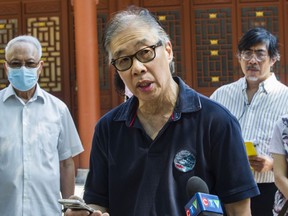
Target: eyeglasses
(260, 55)
(144, 55)
(17, 64)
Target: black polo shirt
(131, 174)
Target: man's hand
(261, 163)
(97, 212)
(70, 212)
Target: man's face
(23, 54)
(256, 63)
(147, 81)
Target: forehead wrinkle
(22, 50)
(18, 59)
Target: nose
(253, 59)
(138, 67)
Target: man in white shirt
(257, 100)
(38, 138)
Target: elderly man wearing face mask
(38, 137)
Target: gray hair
(133, 14)
(26, 39)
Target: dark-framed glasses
(144, 55)
(19, 64)
(260, 55)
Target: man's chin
(252, 78)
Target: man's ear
(238, 57)
(40, 68)
(169, 51)
(272, 61)
(5, 68)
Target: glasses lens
(248, 55)
(31, 64)
(123, 63)
(19, 64)
(260, 56)
(145, 55)
(15, 64)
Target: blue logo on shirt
(184, 161)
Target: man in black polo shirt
(146, 149)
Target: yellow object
(250, 148)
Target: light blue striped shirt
(258, 118)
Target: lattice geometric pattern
(47, 30)
(266, 17)
(171, 22)
(104, 75)
(214, 55)
(8, 30)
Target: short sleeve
(69, 141)
(276, 143)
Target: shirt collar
(188, 101)
(266, 86)
(269, 84)
(11, 92)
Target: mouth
(144, 85)
(252, 68)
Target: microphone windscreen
(196, 184)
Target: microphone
(202, 203)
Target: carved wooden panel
(41, 7)
(103, 4)
(10, 8)
(266, 17)
(213, 47)
(47, 30)
(171, 22)
(8, 30)
(104, 75)
(203, 2)
(251, 1)
(152, 3)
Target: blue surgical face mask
(23, 79)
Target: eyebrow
(257, 50)
(25, 60)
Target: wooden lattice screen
(214, 53)
(104, 75)
(8, 30)
(171, 22)
(47, 30)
